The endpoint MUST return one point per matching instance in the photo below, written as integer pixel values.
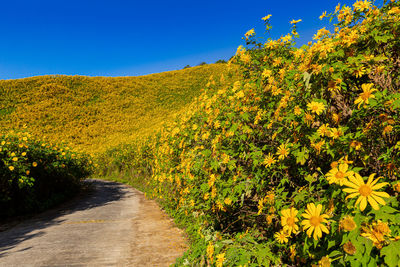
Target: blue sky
(130, 38)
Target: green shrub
(298, 162)
(35, 174)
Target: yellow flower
(228, 201)
(283, 151)
(289, 219)
(220, 259)
(295, 21)
(366, 94)
(211, 181)
(34, 164)
(11, 168)
(281, 237)
(356, 145)
(387, 129)
(336, 118)
(337, 8)
(366, 191)
(313, 221)
(339, 174)
(336, 133)
(377, 233)
(269, 160)
(210, 250)
(394, 10)
(286, 38)
(361, 5)
(297, 111)
(318, 146)
(270, 197)
(324, 262)
(320, 33)
(266, 17)
(316, 107)
(15, 159)
(323, 15)
(359, 72)
(292, 252)
(249, 33)
(324, 130)
(396, 187)
(347, 223)
(349, 248)
(266, 73)
(269, 219)
(260, 206)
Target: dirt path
(114, 225)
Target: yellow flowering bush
(35, 174)
(295, 162)
(297, 147)
(96, 113)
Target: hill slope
(94, 113)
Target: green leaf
(306, 79)
(392, 254)
(396, 104)
(301, 156)
(331, 243)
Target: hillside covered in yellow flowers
(294, 162)
(95, 113)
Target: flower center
(315, 221)
(290, 221)
(365, 190)
(339, 175)
(365, 95)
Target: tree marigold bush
(35, 174)
(96, 113)
(298, 162)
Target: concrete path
(114, 225)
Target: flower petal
(378, 199)
(371, 178)
(310, 230)
(363, 203)
(311, 208)
(324, 229)
(317, 233)
(318, 210)
(349, 190)
(381, 194)
(352, 195)
(373, 203)
(358, 179)
(378, 186)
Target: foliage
(35, 174)
(96, 113)
(298, 162)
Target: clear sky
(130, 38)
